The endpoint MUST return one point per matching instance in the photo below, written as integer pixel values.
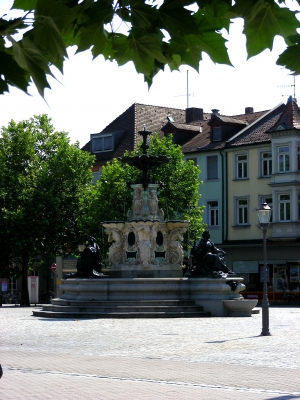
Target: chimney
(193, 114)
(249, 110)
(215, 111)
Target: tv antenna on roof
(293, 85)
(187, 90)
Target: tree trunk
(24, 286)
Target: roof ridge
(254, 122)
(151, 105)
(289, 118)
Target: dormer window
(102, 142)
(217, 134)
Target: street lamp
(264, 215)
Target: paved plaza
(203, 358)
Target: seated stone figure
(207, 257)
(89, 264)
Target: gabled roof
(182, 127)
(256, 131)
(202, 142)
(131, 122)
(228, 120)
(289, 119)
(255, 127)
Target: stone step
(61, 308)
(121, 308)
(57, 314)
(133, 303)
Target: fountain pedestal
(145, 246)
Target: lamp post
(264, 215)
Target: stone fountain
(146, 267)
(145, 246)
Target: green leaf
(14, 75)
(48, 37)
(58, 62)
(141, 48)
(57, 24)
(60, 14)
(25, 4)
(3, 86)
(101, 12)
(269, 22)
(93, 35)
(190, 48)
(217, 14)
(290, 59)
(156, 69)
(294, 39)
(143, 15)
(175, 22)
(12, 26)
(185, 52)
(204, 3)
(30, 58)
(249, 9)
(92, 32)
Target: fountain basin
(210, 293)
(240, 307)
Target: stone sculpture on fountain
(206, 258)
(89, 263)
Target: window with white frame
(242, 211)
(266, 163)
(283, 159)
(102, 143)
(241, 166)
(213, 213)
(284, 202)
(212, 167)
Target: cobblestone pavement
(205, 358)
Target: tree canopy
(178, 195)
(44, 181)
(151, 34)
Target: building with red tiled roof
(122, 133)
(289, 118)
(263, 164)
(243, 159)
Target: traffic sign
(53, 267)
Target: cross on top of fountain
(144, 162)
